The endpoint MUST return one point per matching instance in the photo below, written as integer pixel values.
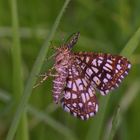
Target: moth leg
(45, 77)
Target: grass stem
(17, 72)
(32, 78)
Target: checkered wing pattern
(79, 96)
(105, 71)
(77, 75)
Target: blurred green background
(105, 26)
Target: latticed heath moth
(78, 75)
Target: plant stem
(17, 71)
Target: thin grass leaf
(41, 116)
(115, 123)
(133, 90)
(130, 95)
(54, 124)
(97, 125)
(132, 44)
(4, 96)
(22, 132)
(32, 78)
(125, 102)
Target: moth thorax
(62, 58)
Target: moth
(77, 76)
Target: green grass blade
(127, 51)
(41, 116)
(125, 102)
(130, 95)
(22, 132)
(35, 70)
(54, 124)
(97, 125)
(115, 123)
(132, 44)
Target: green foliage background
(105, 26)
